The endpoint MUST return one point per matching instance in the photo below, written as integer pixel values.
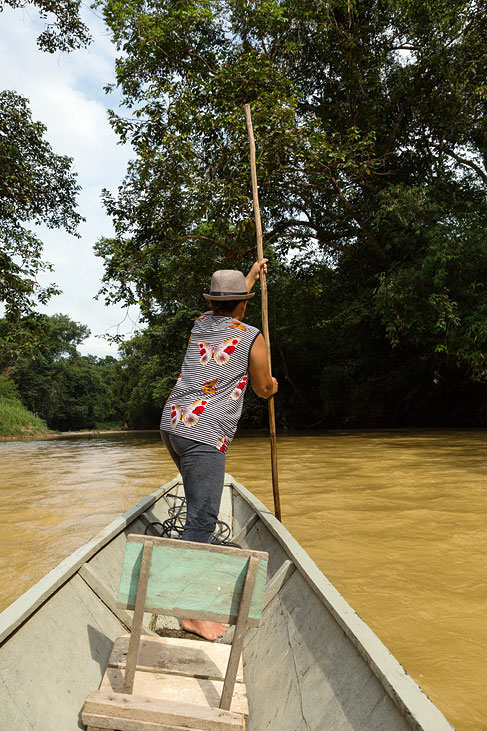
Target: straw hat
(228, 284)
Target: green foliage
(371, 130)
(36, 187)
(68, 402)
(64, 30)
(184, 208)
(15, 419)
(8, 390)
(68, 391)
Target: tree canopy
(370, 121)
(67, 390)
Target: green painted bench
(157, 683)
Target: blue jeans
(203, 471)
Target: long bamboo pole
(265, 316)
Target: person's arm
(261, 380)
(254, 273)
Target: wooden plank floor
(177, 688)
(177, 656)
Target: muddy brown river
(396, 520)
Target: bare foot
(208, 630)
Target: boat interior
(311, 665)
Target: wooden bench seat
(161, 683)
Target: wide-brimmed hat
(228, 284)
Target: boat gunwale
(416, 707)
(13, 616)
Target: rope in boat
(173, 526)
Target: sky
(66, 94)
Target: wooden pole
(265, 318)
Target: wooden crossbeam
(109, 706)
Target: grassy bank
(15, 419)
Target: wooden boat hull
(313, 665)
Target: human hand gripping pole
(265, 318)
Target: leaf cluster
(64, 30)
(37, 187)
(370, 121)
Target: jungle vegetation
(371, 129)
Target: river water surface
(396, 520)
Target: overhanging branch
(330, 239)
(468, 163)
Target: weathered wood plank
(199, 547)
(138, 618)
(175, 655)
(192, 578)
(192, 614)
(167, 687)
(239, 636)
(274, 585)
(107, 703)
(127, 724)
(102, 574)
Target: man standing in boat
(201, 415)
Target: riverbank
(16, 421)
(27, 436)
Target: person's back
(206, 402)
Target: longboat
(312, 665)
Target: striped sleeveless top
(206, 402)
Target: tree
(64, 29)
(370, 119)
(36, 186)
(67, 390)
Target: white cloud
(66, 94)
